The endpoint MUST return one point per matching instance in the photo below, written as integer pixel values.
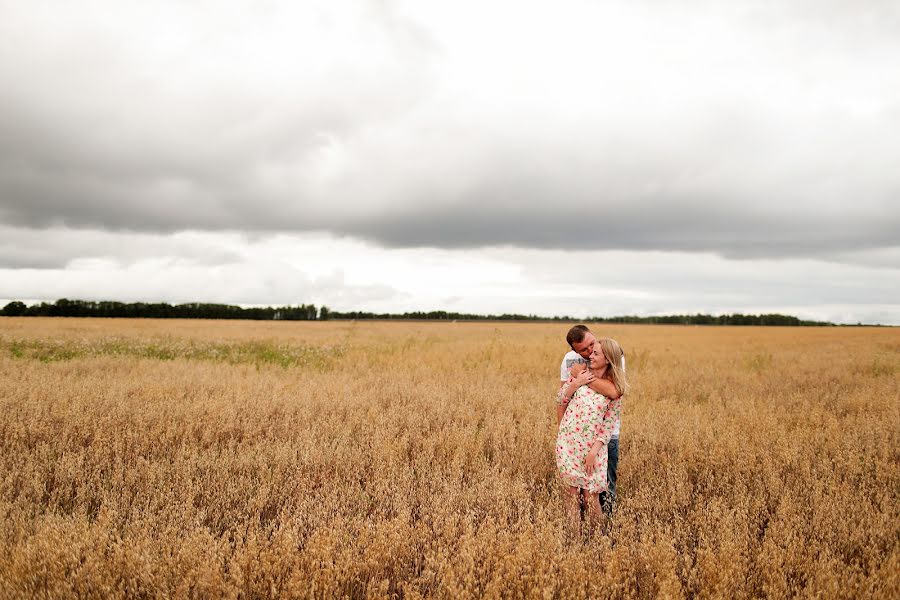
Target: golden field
(235, 459)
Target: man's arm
(564, 378)
(562, 402)
(580, 376)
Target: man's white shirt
(573, 358)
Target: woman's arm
(604, 387)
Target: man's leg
(608, 498)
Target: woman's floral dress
(588, 417)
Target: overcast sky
(579, 158)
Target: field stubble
(239, 459)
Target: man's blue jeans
(608, 498)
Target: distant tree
(14, 309)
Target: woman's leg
(573, 510)
(594, 511)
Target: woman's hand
(590, 462)
(582, 378)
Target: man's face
(585, 346)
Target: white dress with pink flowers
(589, 416)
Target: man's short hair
(576, 334)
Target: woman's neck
(599, 373)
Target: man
(581, 341)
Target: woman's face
(598, 359)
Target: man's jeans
(608, 499)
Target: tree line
(697, 319)
(159, 310)
(308, 312)
(734, 319)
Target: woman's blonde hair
(616, 369)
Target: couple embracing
(589, 405)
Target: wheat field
(195, 459)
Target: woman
(587, 425)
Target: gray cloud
(32, 258)
(347, 274)
(375, 127)
(57, 248)
(185, 268)
(733, 235)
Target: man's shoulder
(572, 358)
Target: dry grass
(236, 459)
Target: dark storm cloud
(105, 132)
(516, 197)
